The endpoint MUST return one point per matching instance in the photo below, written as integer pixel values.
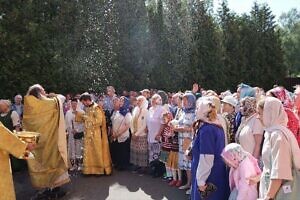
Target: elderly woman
(185, 132)
(139, 144)
(155, 125)
(121, 121)
(283, 95)
(9, 117)
(250, 132)
(228, 112)
(208, 168)
(280, 152)
(217, 103)
(243, 91)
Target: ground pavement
(119, 186)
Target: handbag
(210, 188)
(78, 135)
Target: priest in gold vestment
(9, 144)
(44, 115)
(96, 155)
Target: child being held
(244, 172)
(169, 150)
(165, 139)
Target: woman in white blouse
(154, 126)
(250, 132)
(280, 153)
(139, 143)
(121, 121)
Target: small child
(166, 135)
(244, 172)
(173, 159)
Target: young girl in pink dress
(244, 172)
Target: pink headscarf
(234, 154)
(283, 95)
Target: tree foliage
(75, 46)
(290, 27)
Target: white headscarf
(157, 99)
(274, 119)
(274, 113)
(138, 109)
(203, 107)
(144, 104)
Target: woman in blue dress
(207, 164)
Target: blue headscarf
(191, 103)
(246, 91)
(126, 106)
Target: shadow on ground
(119, 186)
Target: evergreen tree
(206, 64)
(159, 75)
(290, 30)
(233, 57)
(133, 47)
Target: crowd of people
(240, 145)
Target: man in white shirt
(8, 117)
(75, 134)
(18, 106)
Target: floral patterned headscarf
(248, 106)
(234, 154)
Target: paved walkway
(120, 186)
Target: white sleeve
(61, 97)
(205, 164)
(68, 122)
(128, 119)
(258, 128)
(15, 118)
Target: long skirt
(139, 151)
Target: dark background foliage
(84, 45)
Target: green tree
(206, 63)
(233, 56)
(263, 48)
(158, 46)
(132, 52)
(290, 23)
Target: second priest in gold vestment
(96, 154)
